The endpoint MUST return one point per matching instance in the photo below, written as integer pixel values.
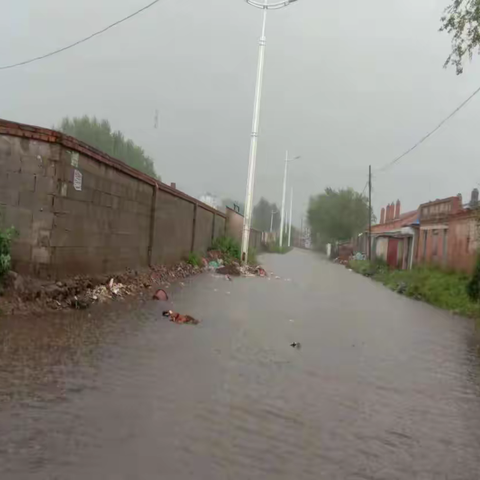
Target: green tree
(337, 214)
(262, 216)
(461, 19)
(99, 134)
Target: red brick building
(448, 233)
(394, 239)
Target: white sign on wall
(77, 180)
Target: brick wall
(80, 211)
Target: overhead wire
(83, 40)
(429, 134)
(364, 188)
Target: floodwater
(382, 388)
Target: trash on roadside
(296, 345)
(260, 272)
(231, 270)
(213, 265)
(160, 295)
(116, 288)
(180, 319)
(228, 277)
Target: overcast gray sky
(347, 84)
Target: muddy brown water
(383, 387)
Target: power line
(425, 137)
(364, 188)
(83, 40)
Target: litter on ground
(160, 295)
(180, 319)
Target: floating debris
(180, 319)
(296, 345)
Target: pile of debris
(29, 295)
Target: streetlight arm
(273, 6)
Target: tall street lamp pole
(291, 215)
(265, 6)
(284, 194)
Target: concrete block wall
(105, 225)
(203, 230)
(173, 230)
(27, 189)
(219, 227)
(79, 211)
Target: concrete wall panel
(173, 229)
(203, 230)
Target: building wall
(381, 248)
(79, 211)
(234, 229)
(462, 243)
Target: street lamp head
(270, 6)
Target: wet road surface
(383, 387)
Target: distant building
(443, 232)
(211, 200)
(394, 239)
(448, 233)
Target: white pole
(254, 140)
(291, 213)
(271, 223)
(282, 221)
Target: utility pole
(283, 223)
(370, 212)
(284, 192)
(291, 214)
(252, 160)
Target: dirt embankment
(24, 295)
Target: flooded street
(382, 388)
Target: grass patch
(194, 259)
(6, 238)
(229, 248)
(444, 289)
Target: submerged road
(382, 388)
